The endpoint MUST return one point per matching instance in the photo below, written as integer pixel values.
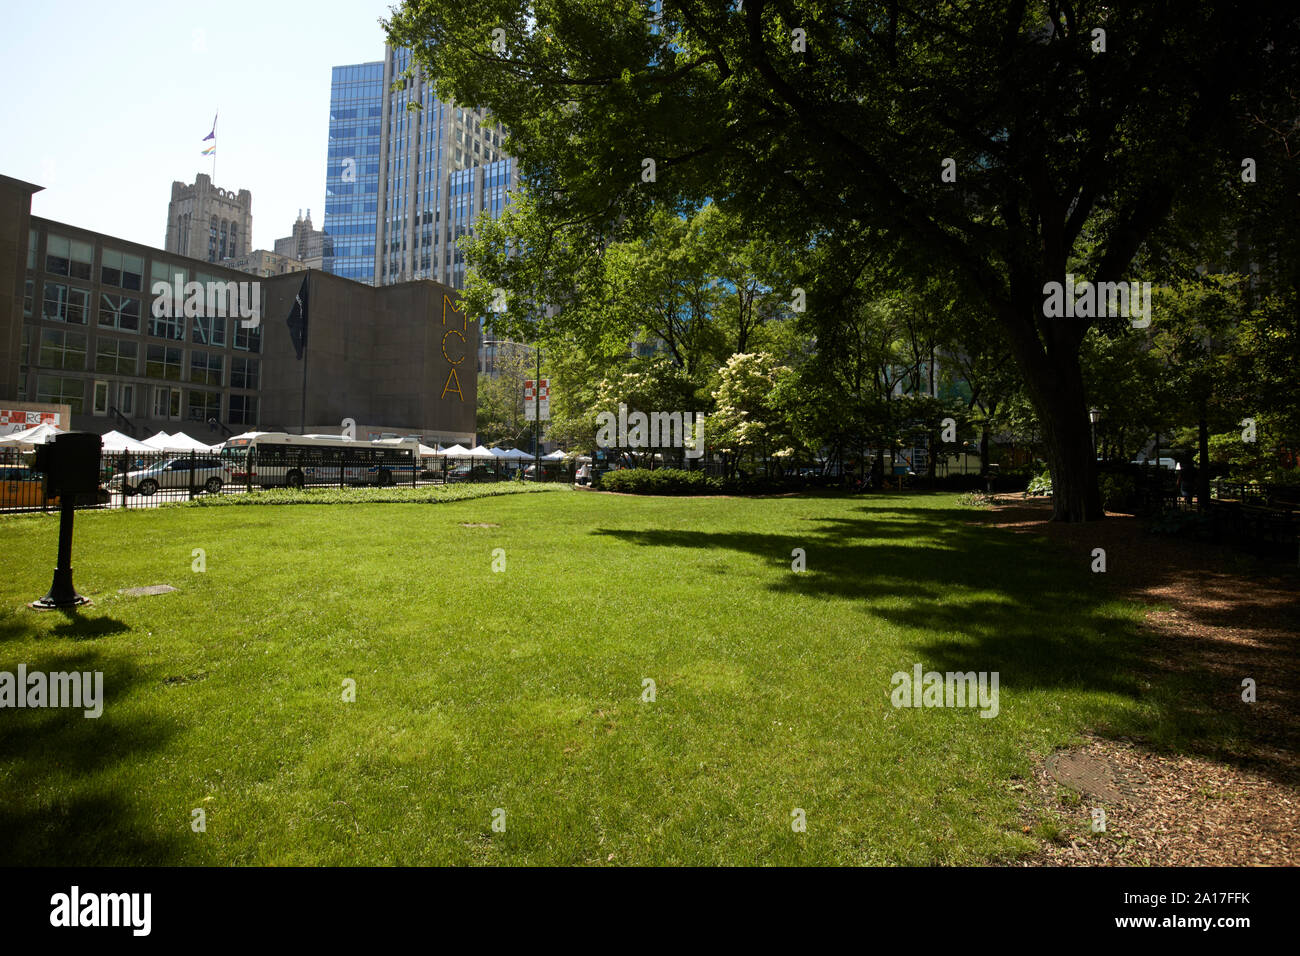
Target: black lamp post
(1094, 416)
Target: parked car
(20, 487)
(471, 473)
(208, 474)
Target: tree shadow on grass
(79, 627)
(63, 805)
(1050, 624)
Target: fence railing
(136, 480)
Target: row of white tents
(182, 443)
(490, 454)
(113, 441)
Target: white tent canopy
(179, 442)
(36, 435)
(427, 452)
(515, 454)
(479, 452)
(184, 442)
(455, 451)
(556, 455)
(117, 442)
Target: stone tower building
(207, 222)
(304, 244)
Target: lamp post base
(61, 594)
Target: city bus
(271, 459)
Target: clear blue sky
(105, 104)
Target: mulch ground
(1215, 611)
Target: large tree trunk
(1054, 382)
(1058, 398)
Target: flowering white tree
(748, 421)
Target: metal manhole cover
(151, 589)
(1094, 776)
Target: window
(166, 272)
(54, 390)
(243, 410)
(66, 303)
(211, 329)
(29, 298)
(58, 252)
(205, 368)
(166, 402)
(119, 312)
(25, 355)
(204, 405)
(100, 405)
(126, 399)
(61, 349)
(122, 270)
(82, 255)
(32, 239)
(160, 361)
(167, 326)
(250, 340)
(116, 355)
(243, 372)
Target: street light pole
(537, 416)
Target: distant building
(207, 222)
(304, 244)
(78, 330)
(260, 262)
(403, 185)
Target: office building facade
(263, 262)
(303, 244)
(402, 185)
(78, 329)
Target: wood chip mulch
(1216, 612)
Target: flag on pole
(297, 318)
(212, 150)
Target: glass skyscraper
(404, 184)
(352, 176)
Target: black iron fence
(1261, 517)
(149, 479)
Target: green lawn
(522, 690)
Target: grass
(522, 689)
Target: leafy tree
(818, 120)
(501, 399)
(747, 421)
(654, 384)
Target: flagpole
(214, 146)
